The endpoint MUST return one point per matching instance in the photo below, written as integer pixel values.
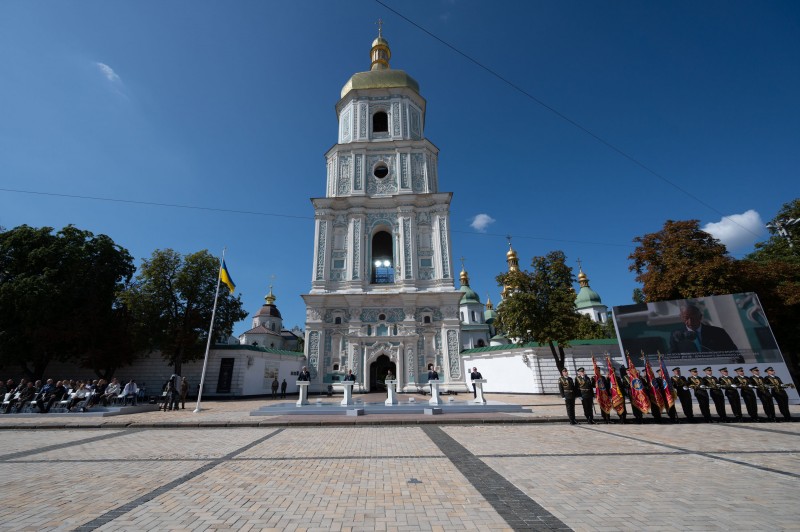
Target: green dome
(489, 315)
(587, 298)
(469, 295)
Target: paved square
(459, 477)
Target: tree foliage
(777, 246)
(682, 261)
(59, 297)
(541, 307)
(171, 301)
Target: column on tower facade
(355, 268)
(406, 247)
(322, 244)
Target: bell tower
(382, 277)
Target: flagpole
(210, 335)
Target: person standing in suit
(762, 389)
(681, 386)
(729, 385)
(474, 376)
(779, 393)
(699, 337)
(748, 395)
(433, 375)
(566, 386)
(700, 393)
(304, 375)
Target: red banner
(600, 390)
(653, 387)
(617, 398)
(669, 394)
(639, 398)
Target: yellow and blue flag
(225, 277)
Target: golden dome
(464, 277)
(380, 75)
(270, 298)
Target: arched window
(336, 367)
(481, 343)
(382, 253)
(426, 319)
(338, 320)
(380, 122)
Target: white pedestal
(348, 393)
(435, 399)
(303, 387)
(391, 390)
(478, 383)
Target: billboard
(718, 331)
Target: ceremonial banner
(617, 398)
(601, 392)
(639, 398)
(656, 392)
(669, 393)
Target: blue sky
(230, 106)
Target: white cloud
(109, 73)
(481, 222)
(737, 230)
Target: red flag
(668, 393)
(656, 392)
(639, 398)
(617, 399)
(602, 393)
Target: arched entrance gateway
(378, 371)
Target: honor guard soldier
(729, 385)
(662, 389)
(762, 389)
(652, 390)
(749, 396)
(712, 383)
(625, 383)
(586, 389)
(566, 386)
(700, 393)
(779, 392)
(681, 386)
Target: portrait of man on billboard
(698, 337)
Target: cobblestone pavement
(433, 476)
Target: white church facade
(382, 294)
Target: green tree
(171, 302)
(541, 305)
(777, 247)
(638, 296)
(58, 296)
(682, 261)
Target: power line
(564, 117)
(271, 214)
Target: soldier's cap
(563, 370)
(581, 369)
(738, 369)
(676, 369)
(754, 369)
(769, 369)
(723, 369)
(693, 370)
(707, 369)
(622, 367)
(658, 371)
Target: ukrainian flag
(225, 277)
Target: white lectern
(348, 393)
(434, 400)
(478, 383)
(303, 387)
(391, 389)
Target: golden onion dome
(380, 75)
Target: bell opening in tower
(380, 122)
(382, 267)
